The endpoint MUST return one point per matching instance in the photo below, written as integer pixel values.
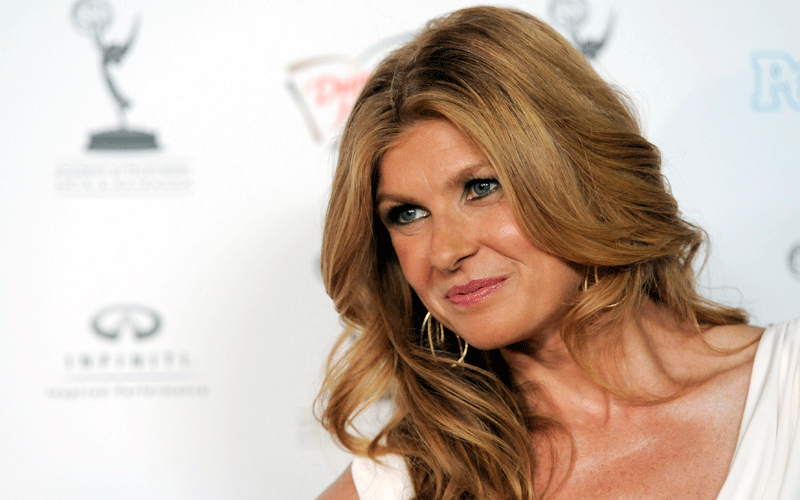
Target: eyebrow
(458, 179)
(465, 174)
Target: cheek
(507, 233)
(561, 279)
(570, 278)
(411, 258)
(555, 272)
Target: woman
(516, 279)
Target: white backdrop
(208, 245)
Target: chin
(489, 344)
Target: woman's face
(459, 245)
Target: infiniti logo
(131, 369)
(124, 319)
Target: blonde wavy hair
(585, 186)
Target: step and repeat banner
(164, 167)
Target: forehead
(433, 148)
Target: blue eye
(404, 214)
(478, 188)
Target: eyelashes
(404, 214)
(474, 189)
(478, 188)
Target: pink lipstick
(474, 291)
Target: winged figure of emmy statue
(93, 18)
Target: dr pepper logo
(325, 87)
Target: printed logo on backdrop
(573, 16)
(325, 87)
(123, 169)
(127, 359)
(138, 321)
(777, 81)
(794, 261)
(93, 17)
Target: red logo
(326, 87)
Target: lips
(474, 291)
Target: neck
(641, 356)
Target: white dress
(382, 481)
(766, 461)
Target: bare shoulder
(721, 354)
(731, 362)
(734, 337)
(342, 489)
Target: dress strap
(384, 480)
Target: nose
(452, 241)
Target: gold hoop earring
(585, 285)
(427, 327)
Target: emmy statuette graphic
(794, 261)
(93, 18)
(571, 15)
